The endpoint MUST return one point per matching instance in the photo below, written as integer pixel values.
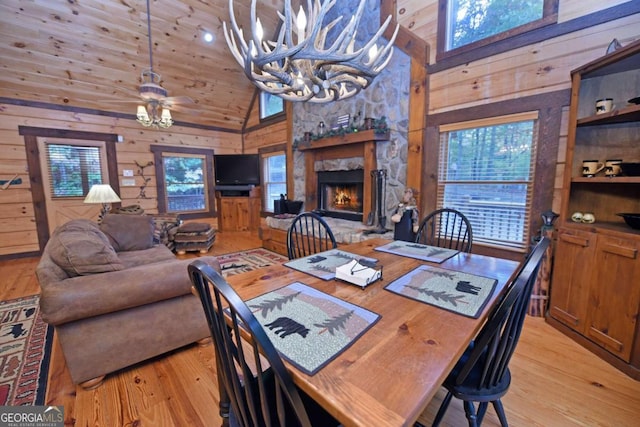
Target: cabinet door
(242, 214)
(614, 296)
(572, 267)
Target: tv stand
(235, 193)
(238, 208)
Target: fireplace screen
(340, 194)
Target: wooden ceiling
(90, 54)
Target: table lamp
(102, 193)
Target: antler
(306, 70)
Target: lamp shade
(101, 193)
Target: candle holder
(368, 123)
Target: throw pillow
(80, 248)
(128, 232)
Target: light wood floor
(555, 381)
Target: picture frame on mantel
(341, 122)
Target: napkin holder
(360, 273)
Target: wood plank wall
(539, 68)
(17, 221)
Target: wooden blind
(73, 169)
(486, 170)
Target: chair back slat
(497, 340)
(260, 393)
(309, 234)
(446, 228)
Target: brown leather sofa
(114, 297)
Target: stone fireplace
(347, 153)
(340, 193)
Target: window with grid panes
(486, 171)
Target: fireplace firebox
(340, 194)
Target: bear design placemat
(308, 327)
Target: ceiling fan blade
(131, 101)
(170, 101)
(186, 110)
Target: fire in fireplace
(340, 194)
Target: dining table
(390, 373)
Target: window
(185, 185)
(73, 169)
(184, 180)
(274, 178)
(486, 171)
(270, 105)
(480, 22)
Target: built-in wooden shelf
(349, 138)
(620, 228)
(621, 115)
(607, 180)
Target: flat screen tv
(237, 169)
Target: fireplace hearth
(340, 194)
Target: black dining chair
(309, 234)
(261, 391)
(446, 228)
(482, 374)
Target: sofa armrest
(87, 296)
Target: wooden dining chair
(446, 228)
(308, 234)
(482, 373)
(260, 390)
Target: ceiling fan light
(165, 118)
(142, 116)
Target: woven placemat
(455, 291)
(308, 327)
(323, 264)
(418, 251)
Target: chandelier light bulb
(301, 24)
(373, 53)
(259, 30)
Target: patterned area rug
(25, 350)
(243, 261)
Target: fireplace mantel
(349, 138)
(356, 144)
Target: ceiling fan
(157, 105)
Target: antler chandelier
(306, 70)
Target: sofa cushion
(156, 253)
(81, 298)
(128, 232)
(80, 248)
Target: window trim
(535, 36)
(550, 109)
(158, 152)
(261, 103)
(263, 152)
(549, 17)
(494, 120)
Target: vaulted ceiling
(90, 54)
